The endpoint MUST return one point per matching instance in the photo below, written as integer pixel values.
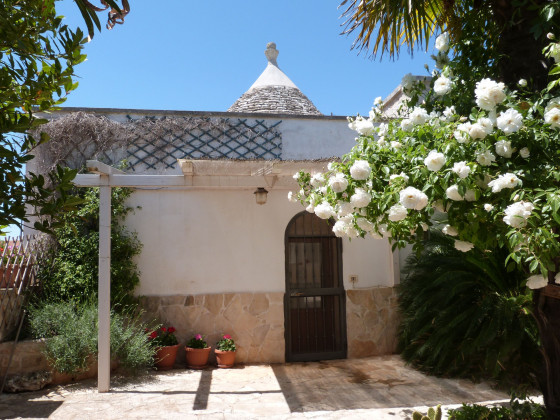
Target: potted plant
(166, 344)
(225, 352)
(197, 352)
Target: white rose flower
(413, 198)
(381, 142)
(518, 213)
(463, 246)
(402, 176)
(553, 103)
(378, 101)
(522, 82)
(365, 224)
(507, 180)
(552, 117)
(419, 116)
(504, 149)
(487, 124)
(449, 113)
(383, 129)
(360, 170)
(317, 180)
(470, 195)
(537, 281)
(434, 161)
(407, 125)
(550, 35)
(510, 121)
(361, 198)
(485, 158)
(375, 114)
(461, 136)
(340, 228)
(453, 193)
(442, 85)
(489, 94)
(524, 153)
(477, 131)
(397, 212)
(383, 229)
(324, 210)
(442, 42)
(296, 176)
(310, 208)
(488, 207)
(330, 166)
(292, 198)
(343, 209)
(450, 230)
(364, 126)
(461, 169)
(338, 182)
(396, 145)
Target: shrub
(70, 272)
(466, 315)
(71, 336)
(516, 410)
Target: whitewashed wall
(210, 241)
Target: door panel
(315, 298)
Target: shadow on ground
(369, 384)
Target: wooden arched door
(315, 301)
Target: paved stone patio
(371, 388)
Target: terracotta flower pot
(165, 357)
(197, 358)
(225, 359)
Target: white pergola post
(104, 291)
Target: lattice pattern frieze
(155, 143)
(211, 139)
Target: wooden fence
(18, 268)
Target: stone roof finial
(271, 53)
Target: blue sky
(202, 56)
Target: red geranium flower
(227, 336)
(198, 336)
(163, 329)
(153, 334)
(171, 330)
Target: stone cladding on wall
(372, 321)
(27, 357)
(254, 320)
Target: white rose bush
(494, 174)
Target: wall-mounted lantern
(260, 195)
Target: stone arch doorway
(315, 301)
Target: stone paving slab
(371, 388)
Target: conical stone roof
(274, 92)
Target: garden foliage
(517, 410)
(71, 336)
(71, 271)
(465, 315)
